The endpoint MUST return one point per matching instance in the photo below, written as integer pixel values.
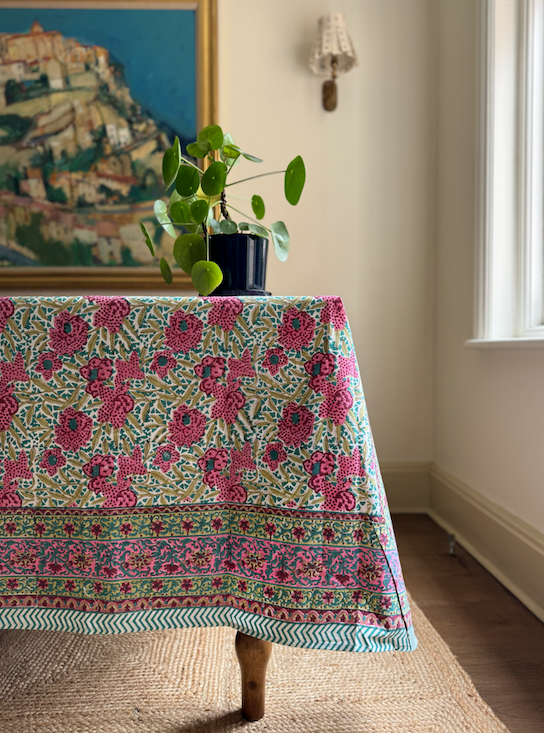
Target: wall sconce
(332, 53)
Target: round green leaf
(295, 176)
(166, 271)
(214, 179)
(206, 276)
(147, 239)
(214, 224)
(258, 230)
(257, 204)
(231, 151)
(180, 212)
(210, 138)
(187, 181)
(169, 167)
(188, 249)
(199, 211)
(196, 151)
(161, 212)
(280, 238)
(243, 226)
(228, 226)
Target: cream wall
(364, 226)
(488, 404)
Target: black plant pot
(242, 259)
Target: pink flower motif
(241, 367)
(296, 330)
(165, 456)
(296, 425)
(320, 366)
(328, 597)
(126, 528)
(217, 523)
(328, 534)
(224, 312)
(129, 369)
(242, 459)
(186, 426)
(184, 332)
(210, 369)
(100, 466)
(231, 491)
(333, 312)
(296, 596)
(270, 529)
(319, 465)
(337, 404)
(96, 530)
(52, 460)
(96, 371)
(116, 406)
(70, 585)
(14, 371)
(10, 528)
(274, 455)
(217, 582)
(212, 462)
(299, 533)
(111, 313)
(43, 583)
(269, 592)
(6, 311)
(157, 585)
(74, 429)
(69, 334)
(125, 588)
(8, 405)
(157, 526)
(12, 584)
(163, 362)
(229, 401)
(69, 528)
(48, 362)
(274, 360)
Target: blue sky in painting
(156, 47)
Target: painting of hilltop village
(89, 101)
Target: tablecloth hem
(333, 637)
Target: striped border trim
(334, 637)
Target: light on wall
(332, 54)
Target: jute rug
(187, 681)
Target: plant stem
(248, 217)
(192, 165)
(261, 175)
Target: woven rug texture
(187, 681)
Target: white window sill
(511, 343)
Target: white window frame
(510, 187)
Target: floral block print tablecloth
(170, 462)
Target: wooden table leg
(253, 655)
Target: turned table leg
(253, 655)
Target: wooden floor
(495, 638)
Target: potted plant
(219, 258)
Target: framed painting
(91, 94)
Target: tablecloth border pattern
(335, 637)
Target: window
(510, 237)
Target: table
(170, 462)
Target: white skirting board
(508, 547)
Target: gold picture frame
(112, 278)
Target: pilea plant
(198, 191)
